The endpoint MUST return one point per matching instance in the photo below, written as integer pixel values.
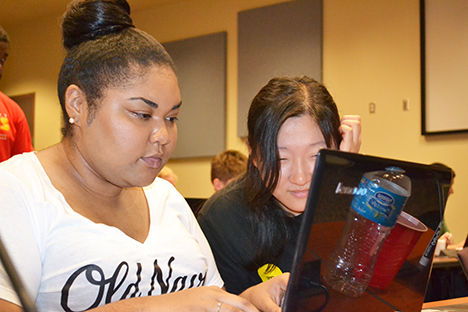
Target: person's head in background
(453, 174)
(118, 90)
(226, 166)
(4, 49)
(166, 173)
(289, 121)
(445, 234)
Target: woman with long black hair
(252, 225)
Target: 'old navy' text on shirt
(107, 287)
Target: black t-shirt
(224, 221)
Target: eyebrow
(153, 104)
(311, 145)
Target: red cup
(396, 248)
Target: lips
(300, 193)
(152, 162)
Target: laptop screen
(324, 219)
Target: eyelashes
(146, 116)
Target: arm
(458, 246)
(194, 299)
(9, 307)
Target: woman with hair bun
(83, 222)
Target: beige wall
(371, 54)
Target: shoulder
(5, 99)
(226, 223)
(226, 203)
(24, 183)
(7, 105)
(225, 217)
(23, 168)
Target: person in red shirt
(15, 137)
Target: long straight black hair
(280, 99)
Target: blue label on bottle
(378, 204)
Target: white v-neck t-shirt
(69, 263)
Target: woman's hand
(209, 299)
(267, 296)
(351, 132)
(198, 299)
(448, 238)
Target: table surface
(445, 303)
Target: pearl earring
(71, 120)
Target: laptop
(324, 219)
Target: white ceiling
(14, 12)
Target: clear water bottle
(375, 208)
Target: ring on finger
(219, 306)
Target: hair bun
(88, 19)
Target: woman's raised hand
(351, 132)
